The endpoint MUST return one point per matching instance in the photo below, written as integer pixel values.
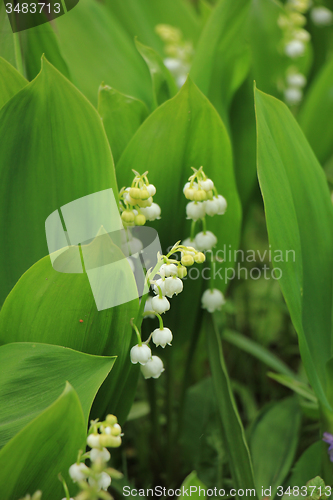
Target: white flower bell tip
(162, 337)
(140, 354)
(153, 368)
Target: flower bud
(93, 440)
(77, 472)
(135, 193)
(115, 430)
(111, 419)
(190, 193)
(199, 258)
(200, 195)
(144, 194)
(207, 185)
(128, 216)
(181, 271)
(187, 259)
(151, 189)
(109, 441)
(140, 220)
(103, 455)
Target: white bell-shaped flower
(149, 307)
(167, 270)
(321, 16)
(222, 204)
(93, 441)
(153, 368)
(293, 95)
(160, 283)
(207, 185)
(212, 206)
(212, 300)
(173, 286)
(195, 210)
(296, 80)
(134, 246)
(295, 48)
(140, 354)
(152, 213)
(205, 240)
(103, 455)
(160, 304)
(102, 481)
(77, 472)
(151, 189)
(187, 185)
(173, 64)
(162, 337)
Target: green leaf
(316, 489)
(110, 56)
(11, 81)
(316, 111)
(258, 351)
(183, 132)
(7, 48)
(44, 448)
(273, 443)
(46, 306)
(201, 443)
(38, 41)
(146, 14)
(164, 86)
(222, 58)
(231, 426)
(64, 156)
(192, 485)
(122, 115)
(33, 376)
(307, 466)
(299, 214)
(295, 385)
(268, 61)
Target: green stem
(135, 328)
(193, 230)
(212, 269)
(204, 225)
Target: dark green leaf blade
(64, 156)
(231, 425)
(44, 448)
(299, 215)
(164, 86)
(33, 375)
(122, 115)
(11, 81)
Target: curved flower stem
(135, 328)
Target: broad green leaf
(65, 155)
(122, 115)
(164, 86)
(191, 486)
(231, 426)
(11, 81)
(316, 111)
(110, 55)
(307, 466)
(265, 36)
(183, 132)
(222, 58)
(299, 215)
(33, 375)
(295, 385)
(44, 448)
(256, 350)
(146, 14)
(38, 41)
(243, 135)
(46, 306)
(273, 443)
(7, 48)
(201, 443)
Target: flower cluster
(295, 40)
(179, 52)
(36, 496)
(94, 481)
(204, 200)
(136, 202)
(166, 281)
